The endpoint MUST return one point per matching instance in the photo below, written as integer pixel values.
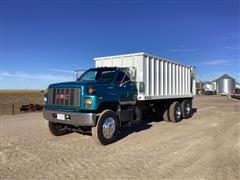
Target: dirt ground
(207, 146)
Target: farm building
(224, 84)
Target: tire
(106, 130)
(162, 110)
(57, 129)
(186, 107)
(166, 113)
(175, 112)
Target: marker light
(91, 90)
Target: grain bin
(214, 85)
(225, 84)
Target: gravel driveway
(203, 147)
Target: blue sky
(44, 41)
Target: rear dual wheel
(175, 112)
(172, 112)
(186, 107)
(166, 113)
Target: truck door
(127, 89)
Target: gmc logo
(62, 96)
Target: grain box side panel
(173, 79)
(152, 76)
(157, 79)
(146, 77)
(133, 61)
(177, 80)
(118, 62)
(169, 78)
(161, 78)
(123, 61)
(164, 78)
(98, 64)
(104, 63)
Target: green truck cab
(94, 102)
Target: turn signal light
(91, 91)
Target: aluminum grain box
(161, 78)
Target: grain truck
(120, 91)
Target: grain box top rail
(138, 54)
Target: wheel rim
(108, 128)
(188, 108)
(178, 112)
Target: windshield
(98, 75)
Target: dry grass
(18, 97)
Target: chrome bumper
(76, 119)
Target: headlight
(88, 102)
(45, 99)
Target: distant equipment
(208, 86)
(31, 107)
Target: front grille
(64, 96)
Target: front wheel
(57, 129)
(106, 130)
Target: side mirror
(133, 73)
(141, 87)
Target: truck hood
(77, 84)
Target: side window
(107, 75)
(120, 77)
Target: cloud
(60, 70)
(227, 37)
(217, 62)
(31, 76)
(182, 50)
(231, 47)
